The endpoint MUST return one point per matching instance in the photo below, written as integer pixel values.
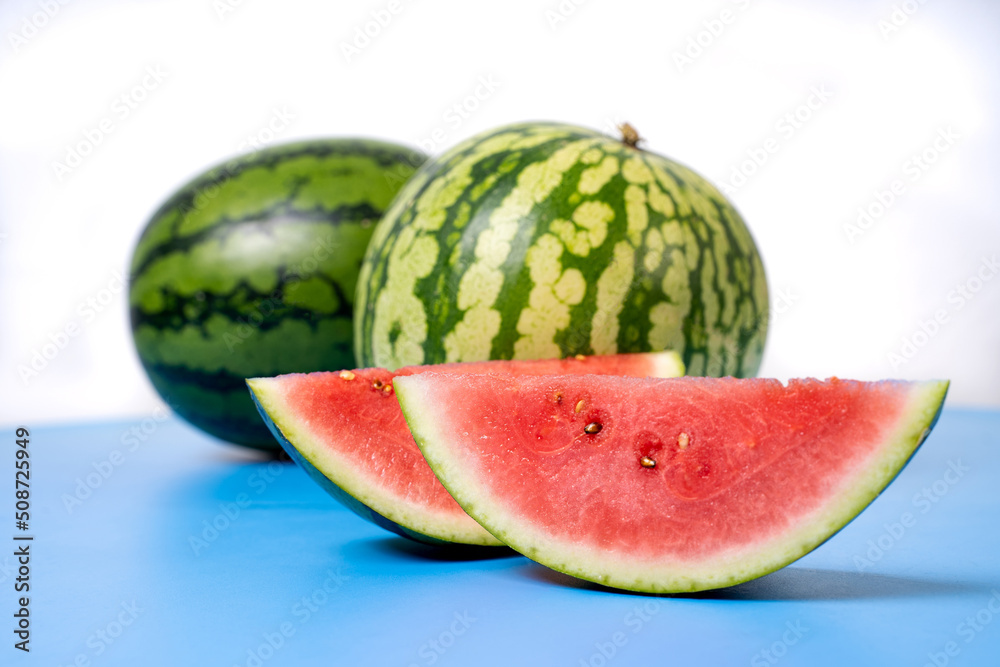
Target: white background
(231, 71)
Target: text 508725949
(22, 542)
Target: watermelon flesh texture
(669, 485)
(348, 433)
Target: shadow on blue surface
(790, 583)
(399, 546)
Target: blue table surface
(179, 550)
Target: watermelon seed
(579, 406)
(647, 462)
(683, 440)
(377, 384)
(558, 397)
(346, 375)
(592, 428)
(387, 389)
(580, 357)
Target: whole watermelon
(250, 270)
(546, 240)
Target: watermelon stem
(630, 136)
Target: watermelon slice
(346, 430)
(671, 485)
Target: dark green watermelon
(541, 240)
(250, 270)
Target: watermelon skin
(346, 499)
(348, 433)
(250, 269)
(544, 240)
(747, 476)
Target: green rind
(344, 484)
(250, 270)
(350, 502)
(423, 415)
(690, 275)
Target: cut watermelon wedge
(346, 430)
(665, 485)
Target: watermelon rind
(304, 453)
(424, 416)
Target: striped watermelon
(545, 240)
(250, 270)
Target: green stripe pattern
(545, 240)
(250, 270)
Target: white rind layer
(666, 364)
(439, 525)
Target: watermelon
(665, 486)
(348, 433)
(250, 269)
(543, 240)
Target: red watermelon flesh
(347, 431)
(665, 485)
